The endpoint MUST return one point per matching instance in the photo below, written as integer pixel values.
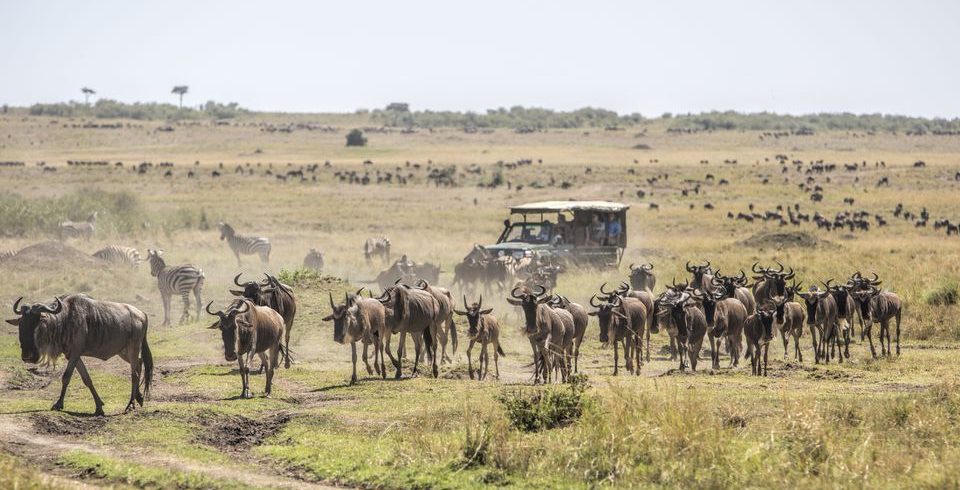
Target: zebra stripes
(181, 279)
(7, 254)
(79, 229)
(245, 245)
(116, 254)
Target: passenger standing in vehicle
(613, 230)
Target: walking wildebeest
(621, 320)
(252, 330)
(880, 307)
(485, 329)
(724, 318)
(580, 319)
(416, 312)
(759, 333)
(362, 319)
(78, 325)
(274, 294)
(376, 246)
(687, 319)
(447, 325)
(642, 278)
(702, 275)
(822, 314)
(543, 327)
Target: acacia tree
(87, 92)
(180, 90)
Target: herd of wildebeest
(728, 310)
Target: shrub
(546, 408)
(119, 212)
(356, 138)
(944, 294)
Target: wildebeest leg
(766, 350)
(796, 346)
(132, 356)
(272, 367)
(496, 358)
(389, 351)
(484, 359)
(85, 376)
(898, 332)
(616, 357)
(867, 331)
(399, 361)
(244, 377)
(673, 347)
(366, 358)
(353, 354)
(786, 342)
(65, 381)
(885, 326)
(628, 353)
(469, 360)
(813, 340)
(435, 333)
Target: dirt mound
(52, 254)
(784, 239)
(61, 424)
(29, 380)
(236, 432)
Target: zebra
(79, 229)
(7, 254)
(377, 246)
(120, 255)
(313, 260)
(246, 245)
(179, 279)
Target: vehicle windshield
(529, 233)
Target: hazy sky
(648, 57)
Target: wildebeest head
(709, 302)
(225, 230)
(790, 292)
(863, 299)
(811, 299)
(777, 277)
(641, 276)
(473, 312)
(766, 323)
(32, 317)
(673, 307)
(229, 323)
(528, 301)
(251, 289)
(840, 294)
(698, 271)
(342, 316)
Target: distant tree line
(516, 117)
(107, 108)
(768, 121)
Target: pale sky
(640, 56)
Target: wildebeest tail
(500, 351)
(146, 358)
(453, 335)
(428, 343)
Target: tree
(180, 90)
(356, 138)
(87, 92)
(399, 107)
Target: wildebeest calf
(248, 330)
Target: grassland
(867, 423)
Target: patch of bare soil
(52, 254)
(29, 380)
(63, 424)
(236, 432)
(784, 239)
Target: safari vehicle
(574, 232)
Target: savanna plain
(878, 423)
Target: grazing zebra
(7, 254)
(116, 254)
(377, 246)
(246, 245)
(79, 229)
(179, 279)
(314, 260)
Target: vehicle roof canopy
(563, 206)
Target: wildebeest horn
(397, 281)
(513, 293)
(479, 303)
(383, 297)
(211, 313)
(624, 286)
(465, 305)
(592, 303)
(757, 271)
(707, 265)
(236, 280)
(789, 274)
(689, 269)
(827, 284)
(876, 279)
(781, 267)
(16, 304)
(542, 290)
(647, 267)
(52, 311)
(718, 274)
(633, 267)
(715, 281)
(605, 291)
(857, 275)
(331, 300)
(359, 291)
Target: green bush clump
(546, 408)
(117, 212)
(944, 294)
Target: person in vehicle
(614, 229)
(598, 230)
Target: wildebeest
(245, 245)
(485, 329)
(822, 314)
(646, 297)
(79, 229)
(845, 311)
(880, 307)
(769, 283)
(677, 313)
(447, 326)
(544, 328)
(116, 254)
(182, 279)
(274, 294)
(622, 321)
(248, 330)
(789, 319)
(359, 319)
(642, 278)
(314, 260)
(580, 319)
(376, 246)
(702, 276)
(77, 326)
(416, 312)
(724, 318)
(759, 332)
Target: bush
(118, 212)
(945, 294)
(356, 138)
(107, 108)
(546, 408)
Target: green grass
(120, 471)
